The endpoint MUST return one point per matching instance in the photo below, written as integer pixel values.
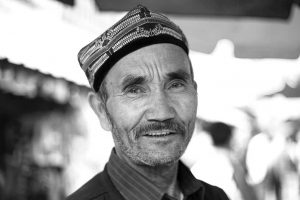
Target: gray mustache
(157, 126)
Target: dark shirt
(119, 181)
(135, 186)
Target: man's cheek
(187, 107)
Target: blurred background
(246, 61)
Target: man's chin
(158, 159)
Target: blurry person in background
(146, 96)
(291, 159)
(221, 167)
(295, 156)
(271, 159)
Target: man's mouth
(159, 133)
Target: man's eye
(177, 84)
(134, 90)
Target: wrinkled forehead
(154, 62)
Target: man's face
(152, 103)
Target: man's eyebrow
(179, 74)
(133, 80)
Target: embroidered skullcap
(140, 27)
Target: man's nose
(160, 107)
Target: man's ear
(100, 110)
(195, 85)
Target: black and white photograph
(149, 100)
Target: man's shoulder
(91, 190)
(213, 192)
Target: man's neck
(164, 176)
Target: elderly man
(145, 94)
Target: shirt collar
(135, 186)
(187, 182)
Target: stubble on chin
(147, 158)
